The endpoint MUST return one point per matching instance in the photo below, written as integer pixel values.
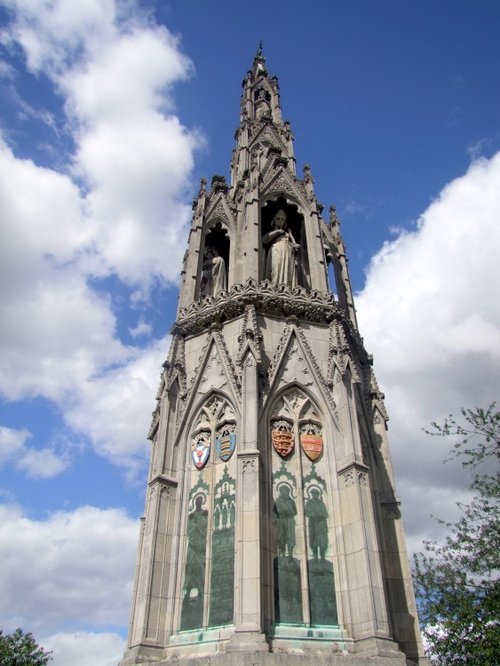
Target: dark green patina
(222, 578)
(194, 580)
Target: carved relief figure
(317, 514)
(214, 274)
(281, 253)
(197, 540)
(284, 512)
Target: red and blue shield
(200, 451)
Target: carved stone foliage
(248, 465)
(284, 183)
(281, 300)
(264, 135)
(355, 474)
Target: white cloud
(74, 565)
(36, 463)
(12, 442)
(114, 410)
(115, 70)
(430, 316)
(117, 207)
(85, 649)
(142, 328)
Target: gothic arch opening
(301, 508)
(284, 256)
(210, 516)
(214, 261)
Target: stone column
(248, 635)
(149, 624)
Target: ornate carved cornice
(268, 299)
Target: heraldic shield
(200, 450)
(225, 444)
(312, 445)
(282, 437)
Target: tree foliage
(20, 649)
(457, 582)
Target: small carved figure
(317, 513)
(214, 274)
(281, 254)
(284, 512)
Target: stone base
(252, 649)
(286, 645)
(271, 659)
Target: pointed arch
(302, 509)
(209, 513)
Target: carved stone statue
(214, 274)
(281, 253)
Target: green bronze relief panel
(194, 579)
(287, 578)
(222, 576)
(322, 600)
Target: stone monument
(272, 531)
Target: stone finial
(334, 219)
(259, 62)
(219, 184)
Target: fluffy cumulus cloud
(73, 565)
(114, 409)
(429, 315)
(36, 463)
(116, 207)
(115, 71)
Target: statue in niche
(214, 274)
(317, 514)
(197, 540)
(284, 512)
(282, 251)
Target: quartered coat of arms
(225, 444)
(200, 450)
(282, 437)
(312, 445)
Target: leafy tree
(457, 582)
(20, 649)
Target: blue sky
(110, 113)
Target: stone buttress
(272, 530)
